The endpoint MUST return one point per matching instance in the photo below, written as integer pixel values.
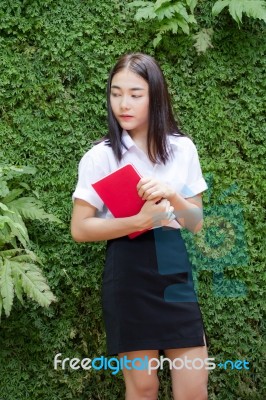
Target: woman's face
(130, 102)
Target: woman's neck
(140, 139)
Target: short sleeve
(88, 172)
(194, 183)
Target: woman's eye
(115, 94)
(135, 96)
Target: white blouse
(182, 171)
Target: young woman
(149, 302)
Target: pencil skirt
(148, 296)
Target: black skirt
(148, 296)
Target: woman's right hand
(155, 212)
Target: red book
(118, 191)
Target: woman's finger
(153, 195)
(146, 189)
(142, 182)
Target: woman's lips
(126, 117)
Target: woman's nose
(124, 104)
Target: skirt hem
(157, 345)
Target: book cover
(118, 190)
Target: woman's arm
(188, 211)
(86, 227)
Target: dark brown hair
(161, 119)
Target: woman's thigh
(140, 382)
(189, 375)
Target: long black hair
(161, 120)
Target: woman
(149, 301)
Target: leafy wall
(55, 58)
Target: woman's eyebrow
(134, 88)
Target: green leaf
(24, 169)
(159, 3)
(20, 225)
(145, 13)
(236, 10)
(12, 195)
(30, 208)
(157, 40)
(3, 207)
(11, 171)
(192, 4)
(3, 189)
(203, 40)
(180, 9)
(175, 24)
(18, 255)
(10, 253)
(6, 286)
(182, 23)
(253, 9)
(219, 6)
(16, 229)
(170, 26)
(191, 19)
(17, 284)
(1, 306)
(165, 12)
(34, 283)
(139, 4)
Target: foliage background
(55, 59)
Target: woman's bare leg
(189, 384)
(140, 384)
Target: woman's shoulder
(182, 142)
(99, 151)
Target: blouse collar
(129, 142)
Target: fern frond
(3, 189)
(180, 9)
(16, 230)
(30, 208)
(18, 270)
(4, 207)
(1, 306)
(182, 23)
(139, 3)
(17, 282)
(157, 39)
(20, 225)
(6, 238)
(26, 258)
(10, 253)
(6, 286)
(13, 170)
(19, 255)
(146, 12)
(174, 24)
(219, 6)
(203, 40)
(170, 26)
(192, 4)
(253, 9)
(34, 283)
(165, 12)
(12, 195)
(160, 3)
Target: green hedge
(55, 59)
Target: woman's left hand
(150, 189)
